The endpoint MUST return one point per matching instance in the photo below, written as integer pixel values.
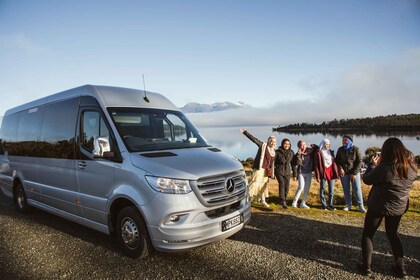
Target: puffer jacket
(282, 162)
(389, 193)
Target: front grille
(212, 190)
(222, 211)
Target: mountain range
(194, 107)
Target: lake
(231, 141)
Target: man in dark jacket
(349, 162)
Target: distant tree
(246, 164)
(250, 160)
(370, 153)
(409, 122)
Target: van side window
(178, 128)
(29, 132)
(9, 133)
(58, 129)
(92, 126)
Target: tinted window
(29, 132)
(58, 129)
(9, 133)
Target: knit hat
(348, 137)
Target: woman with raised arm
(392, 174)
(263, 167)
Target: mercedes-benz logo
(230, 185)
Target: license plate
(232, 222)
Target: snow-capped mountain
(194, 107)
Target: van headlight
(167, 185)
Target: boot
(364, 270)
(399, 268)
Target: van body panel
(191, 164)
(195, 229)
(95, 183)
(71, 217)
(57, 178)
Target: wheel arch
(116, 206)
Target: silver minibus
(124, 163)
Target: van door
(95, 172)
(56, 174)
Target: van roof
(107, 96)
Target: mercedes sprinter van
(125, 164)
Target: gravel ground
(284, 244)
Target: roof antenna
(144, 86)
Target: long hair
(284, 141)
(394, 152)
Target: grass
(314, 202)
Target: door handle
(82, 164)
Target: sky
(292, 61)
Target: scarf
(326, 154)
(349, 145)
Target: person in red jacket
(326, 172)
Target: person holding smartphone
(392, 174)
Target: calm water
(230, 140)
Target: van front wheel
(19, 198)
(132, 233)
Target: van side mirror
(101, 147)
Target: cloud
(23, 43)
(366, 90)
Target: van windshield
(153, 129)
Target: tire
(19, 198)
(132, 234)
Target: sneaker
(346, 209)
(363, 270)
(284, 206)
(362, 210)
(294, 205)
(331, 208)
(304, 206)
(265, 204)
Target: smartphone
(378, 154)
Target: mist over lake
(231, 141)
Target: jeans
(372, 222)
(357, 189)
(284, 182)
(330, 193)
(303, 185)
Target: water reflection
(230, 140)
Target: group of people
(282, 163)
(391, 174)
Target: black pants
(372, 222)
(284, 182)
